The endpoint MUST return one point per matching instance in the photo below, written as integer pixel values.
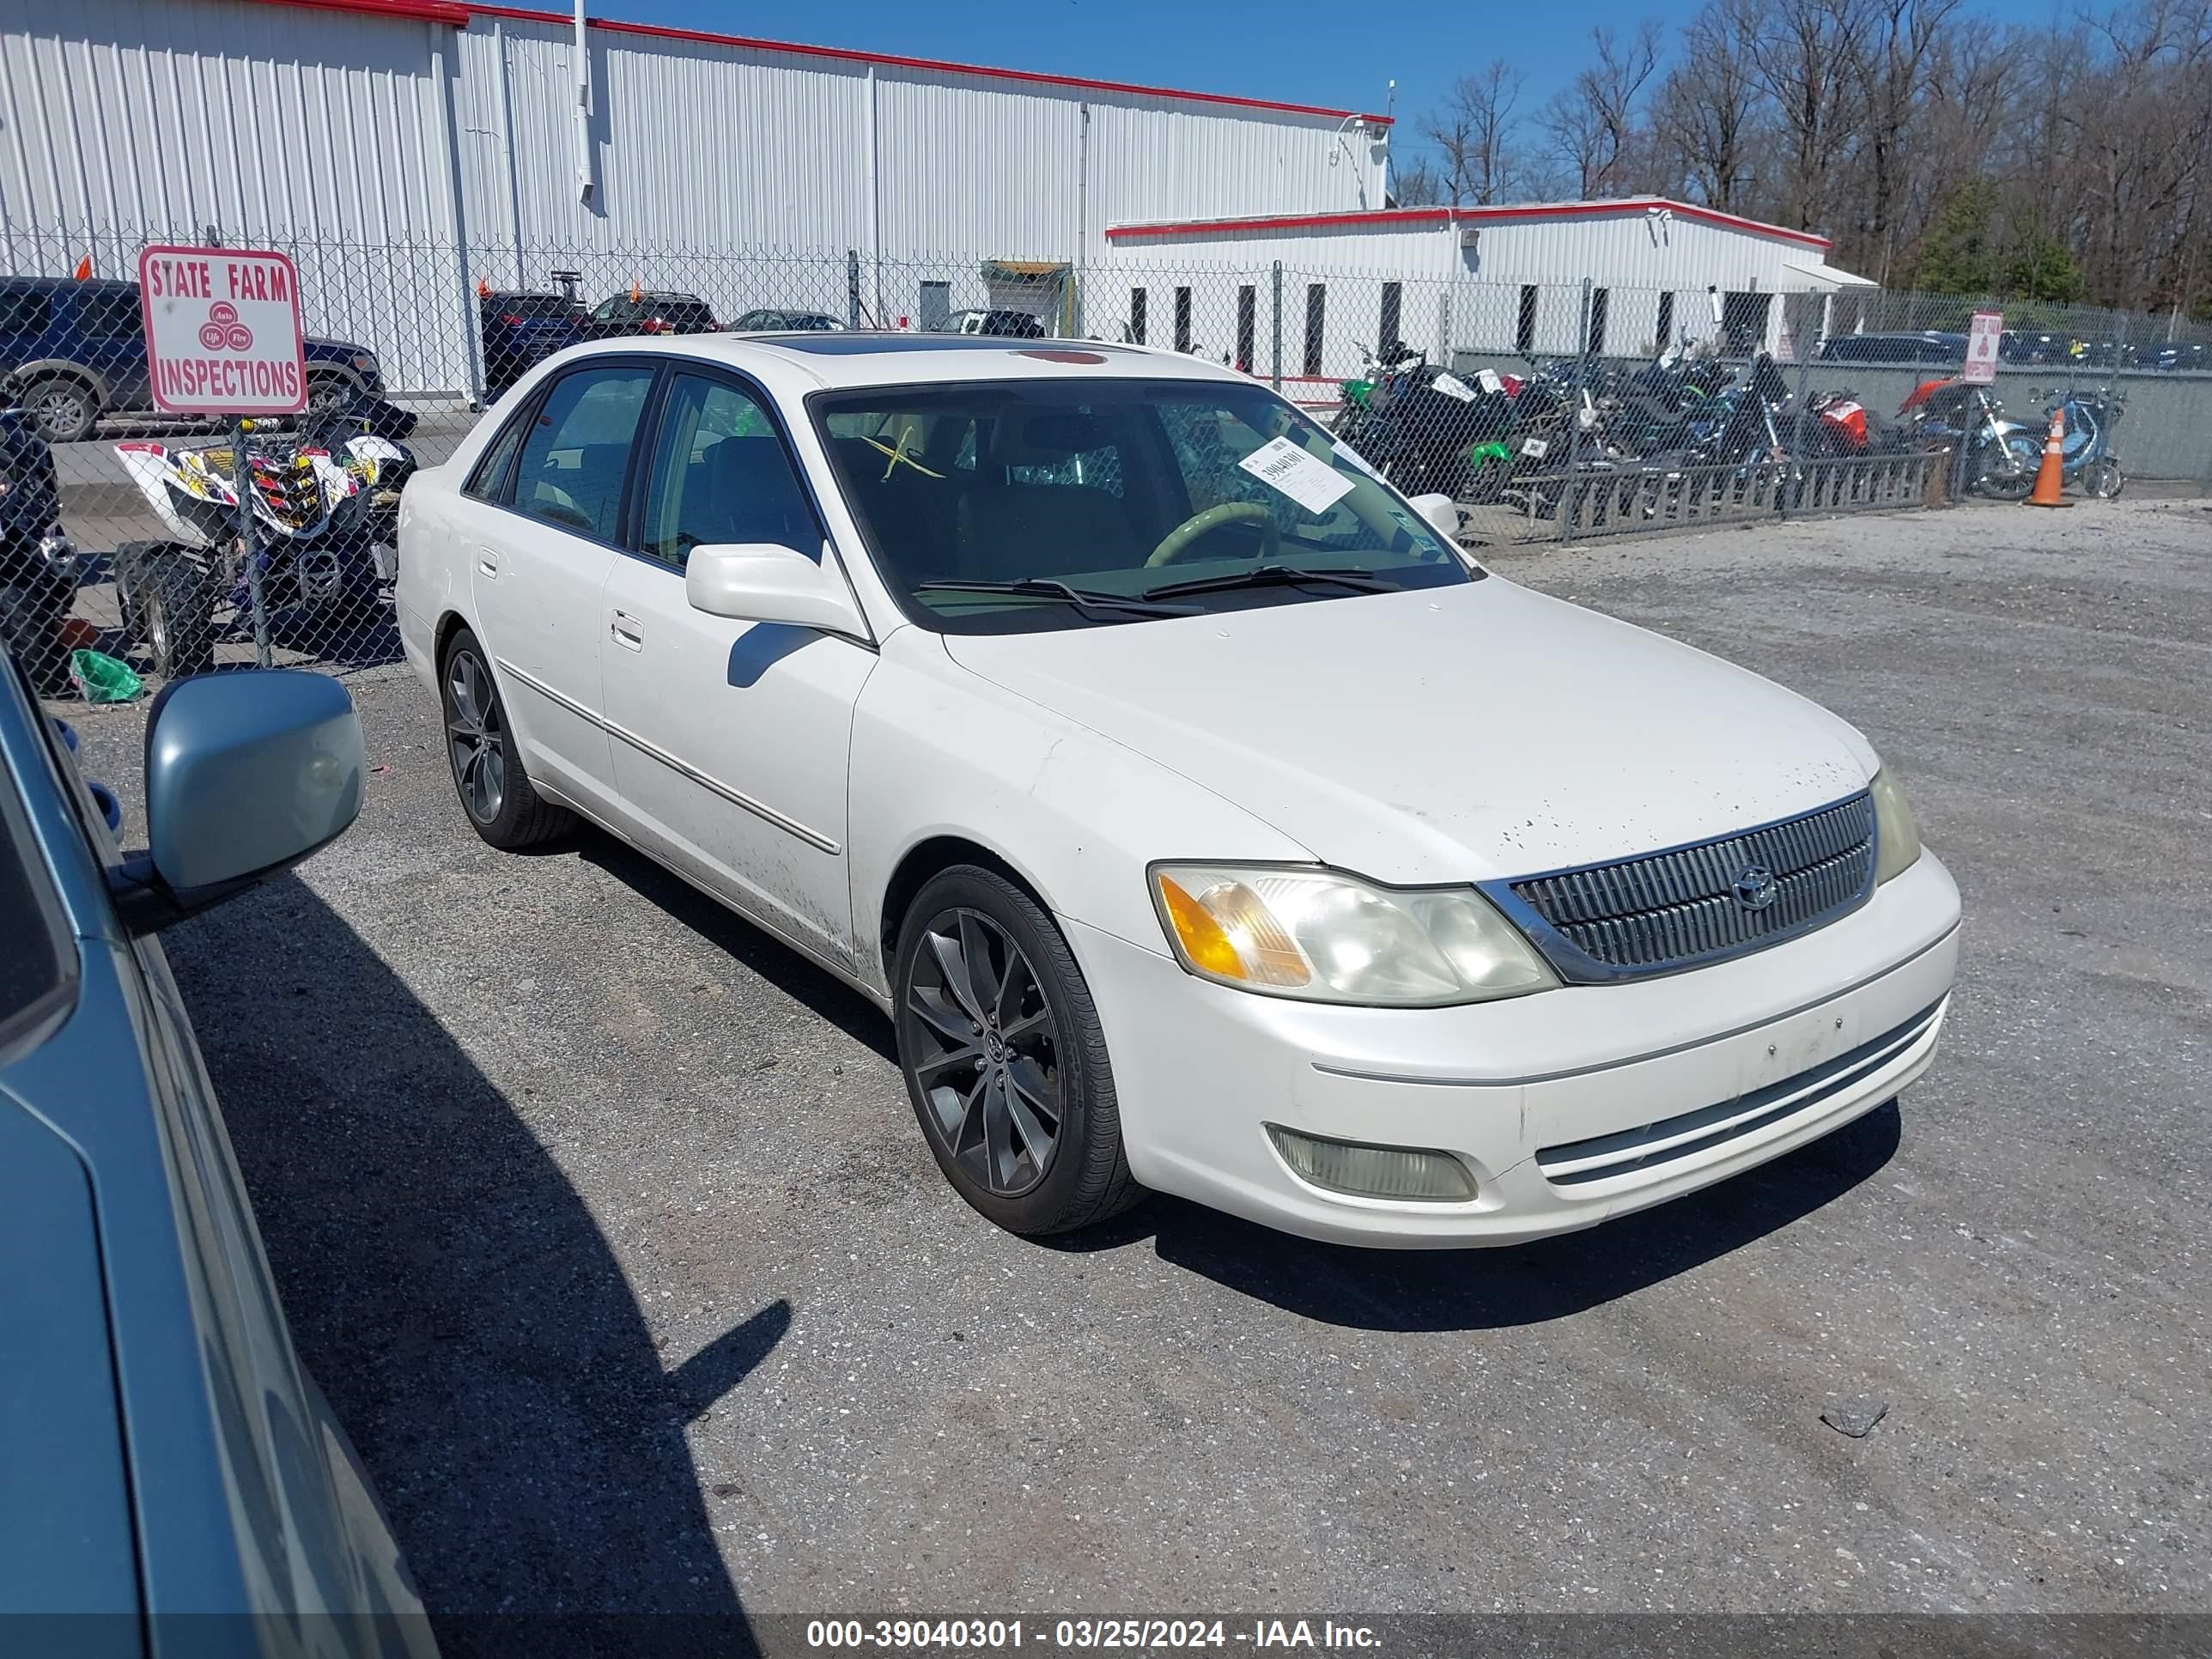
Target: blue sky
(1304, 52)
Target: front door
(732, 739)
(538, 558)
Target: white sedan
(1203, 817)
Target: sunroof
(861, 343)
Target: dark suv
(1929, 346)
(520, 331)
(650, 313)
(72, 351)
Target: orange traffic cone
(2049, 477)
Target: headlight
(1324, 937)
(1896, 832)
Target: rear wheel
(2103, 478)
(63, 408)
(495, 791)
(1004, 1060)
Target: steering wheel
(1173, 544)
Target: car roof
(817, 360)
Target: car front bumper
(1568, 1107)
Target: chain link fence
(1550, 411)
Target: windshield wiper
(1084, 599)
(1274, 575)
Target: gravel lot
(605, 1223)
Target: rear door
(24, 314)
(540, 542)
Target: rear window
(682, 311)
(111, 313)
(532, 307)
(22, 311)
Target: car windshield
(1013, 506)
(532, 307)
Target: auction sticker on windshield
(1281, 464)
(222, 331)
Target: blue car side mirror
(246, 773)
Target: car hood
(1443, 734)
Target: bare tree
(1707, 117)
(1802, 54)
(1471, 134)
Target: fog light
(1346, 1166)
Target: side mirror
(246, 773)
(767, 582)
(1441, 511)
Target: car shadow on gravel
(1523, 1284)
(453, 1296)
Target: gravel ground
(604, 1221)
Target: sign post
(1983, 334)
(223, 337)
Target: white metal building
(406, 149)
(1482, 281)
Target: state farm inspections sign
(222, 331)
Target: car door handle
(627, 631)
(488, 563)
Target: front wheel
(2103, 478)
(1004, 1060)
(62, 409)
(171, 597)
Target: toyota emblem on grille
(1755, 887)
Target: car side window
(578, 447)
(487, 482)
(719, 474)
(22, 311)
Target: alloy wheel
(475, 738)
(986, 1052)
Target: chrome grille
(1680, 909)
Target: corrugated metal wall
(401, 161)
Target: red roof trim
(457, 13)
(1437, 215)
(415, 11)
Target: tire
(175, 604)
(2103, 479)
(63, 408)
(495, 791)
(327, 393)
(1487, 480)
(1048, 1076)
(2013, 486)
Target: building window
(1182, 320)
(1743, 323)
(1248, 315)
(1386, 335)
(1316, 305)
(1137, 298)
(1524, 329)
(1666, 318)
(1601, 302)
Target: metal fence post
(1569, 494)
(852, 288)
(1277, 289)
(241, 483)
(1797, 456)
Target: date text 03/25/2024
(983, 1635)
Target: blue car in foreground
(163, 1456)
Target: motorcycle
(2088, 456)
(326, 505)
(2003, 455)
(1423, 428)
